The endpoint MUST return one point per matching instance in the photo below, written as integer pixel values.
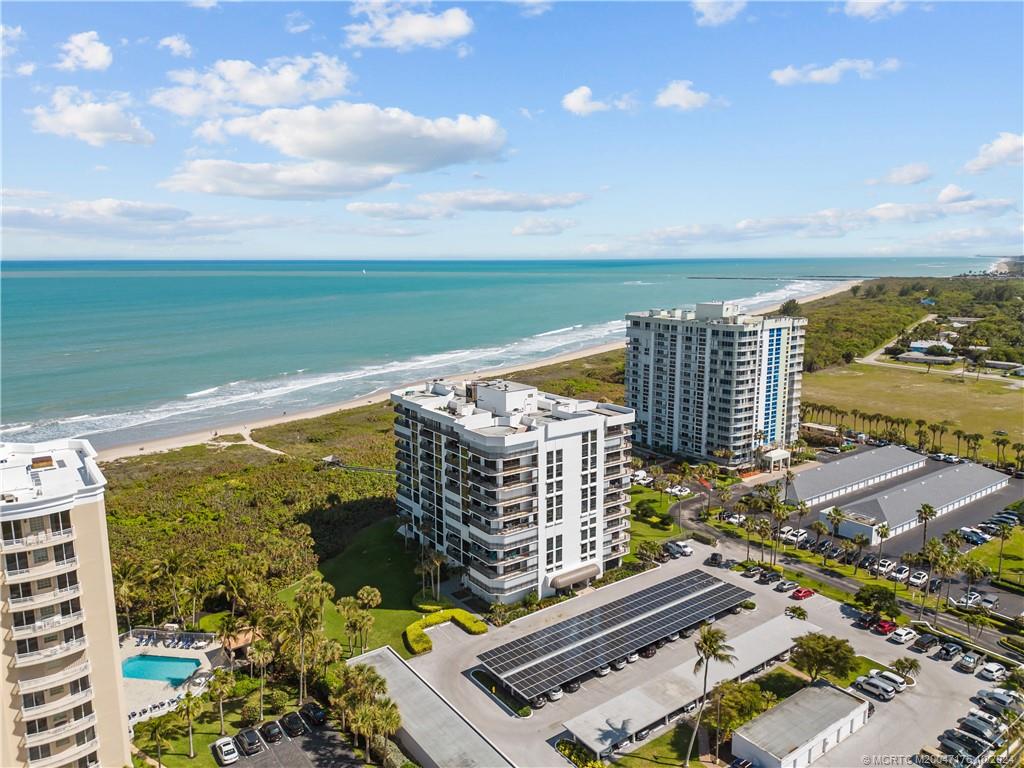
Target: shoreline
(160, 445)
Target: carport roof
(612, 722)
(849, 470)
(429, 720)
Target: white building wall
(809, 751)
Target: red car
(801, 593)
(886, 627)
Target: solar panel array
(562, 652)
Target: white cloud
(1007, 149)
(500, 200)
(969, 236)
(385, 232)
(593, 249)
(912, 173)
(21, 193)
(533, 8)
(537, 225)
(679, 94)
(397, 211)
(231, 85)
(177, 45)
(866, 69)
(74, 113)
(580, 101)
(296, 23)
(101, 168)
(203, 4)
(84, 51)
(873, 10)
(25, 70)
(714, 13)
(951, 193)
(110, 218)
(398, 26)
(9, 36)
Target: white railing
(68, 673)
(36, 539)
(45, 597)
(67, 756)
(53, 652)
(58, 705)
(54, 622)
(73, 726)
(43, 570)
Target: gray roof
(429, 720)
(613, 721)
(860, 466)
(899, 505)
(801, 717)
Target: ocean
(124, 352)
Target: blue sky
(274, 130)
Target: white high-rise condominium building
(525, 489)
(61, 698)
(713, 383)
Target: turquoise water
(130, 351)
(167, 669)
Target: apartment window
(28, 645)
(36, 699)
(20, 590)
(40, 556)
(38, 753)
(554, 509)
(554, 551)
(35, 525)
(79, 685)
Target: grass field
(667, 749)
(973, 406)
(645, 500)
(864, 665)
(1013, 556)
(376, 557)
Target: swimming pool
(167, 669)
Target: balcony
(48, 625)
(36, 540)
(57, 705)
(506, 538)
(49, 681)
(67, 756)
(42, 571)
(611, 499)
(44, 598)
(61, 731)
(51, 653)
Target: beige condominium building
(61, 696)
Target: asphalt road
(317, 748)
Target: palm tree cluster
(359, 701)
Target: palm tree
(802, 511)
(947, 567)
(387, 719)
(221, 685)
(959, 434)
(906, 666)
(974, 571)
(860, 541)
(835, 516)
(750, 526)
(362, 724)
(1018, 457)
(126, 583)
(296, 624)
(788, 478)
(1003, 532)
(933, 553)
(849, 547)
(158, 733)
(168, 568)
(363, 624)
(436, 561)
(315, 592)
(261, 654)
(764, 531)
(230, 587)
(882, 532)
(191, 707)
(780, 515)
(711, 646)
(820, 529)
(925, 513)
(227, 630)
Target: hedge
(704, 538)
(417, 641)
(1009, 586)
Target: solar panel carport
(538, 662)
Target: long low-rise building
(851, 473)
(945, 490)
(661, 700)
(799, 730)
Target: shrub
(577, 754)
(251, 713)
(425, 602)
(704, 538)
(244, 686)
(748, 605)
(417, 641)
(524, 711)
(393, 756)
(276, 700)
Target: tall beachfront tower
(713, 383)
(61, 697)
(525, 489)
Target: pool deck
(139, 693)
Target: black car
(867, 561)
(249, 741)
(571, 687)
(293, 724)
(715, 559)
(977, 747)
(271, 732)
(648, 652)
(949, 651)
(660, 643)
(867, 620)
(823, 547)
(313, 713)
(925, 643)
(805, 544)
(539, 702)
(935, 584)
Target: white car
(684, 549)
(969, 600)
(901, 574)
(736, 519)
(798, 535)
(226, 752)
(918, 579)
(891, 678)
(993, 671)
(884, 566)
(989, 718)
(903, 635)
(784, 532)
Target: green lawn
(1013, 556)
(972, 405)
(666, 750)
(210, 622)
(376, 557)
(864, 665)
(780, 682)
(644, 501)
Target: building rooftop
(613, 721)
(727, 313)
(849, 470)
(32, 473)
(899, 505)
(801, 717)
(436, 727)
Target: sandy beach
(245, 429)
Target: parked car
(867, 561)
(642, 734)
(903, 635)
(572, 686)
(249, 741)
(225, 751)
(684, 549)
(998, 701)
(619, 664)
(896, 681)
(293, 724)
(314, 713)
(918, 579)
(671, 551)
(956, 748)
(752, 571)
(631, 657)
(875, 687)
(786, 586)
(885, 627)
(969, 600)
(883, 567)
(989, 603)
(539, 703)
(271, 732)
(972, 746)
(981, 730)
(554, 694)
(949, 651)
(968, 662)
(740, 762)
(802, 593)
(784, 532)
(867, 620)
(673, 637)
(925, 643)
(649, 651)
(900, 575)
(715, 559)
(990, 719)
(993, 670)
(769, 577)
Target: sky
(519, 129)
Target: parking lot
(317, 748)
(940, 697)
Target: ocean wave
(793, 289)
(639, 282)
(202, 392)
